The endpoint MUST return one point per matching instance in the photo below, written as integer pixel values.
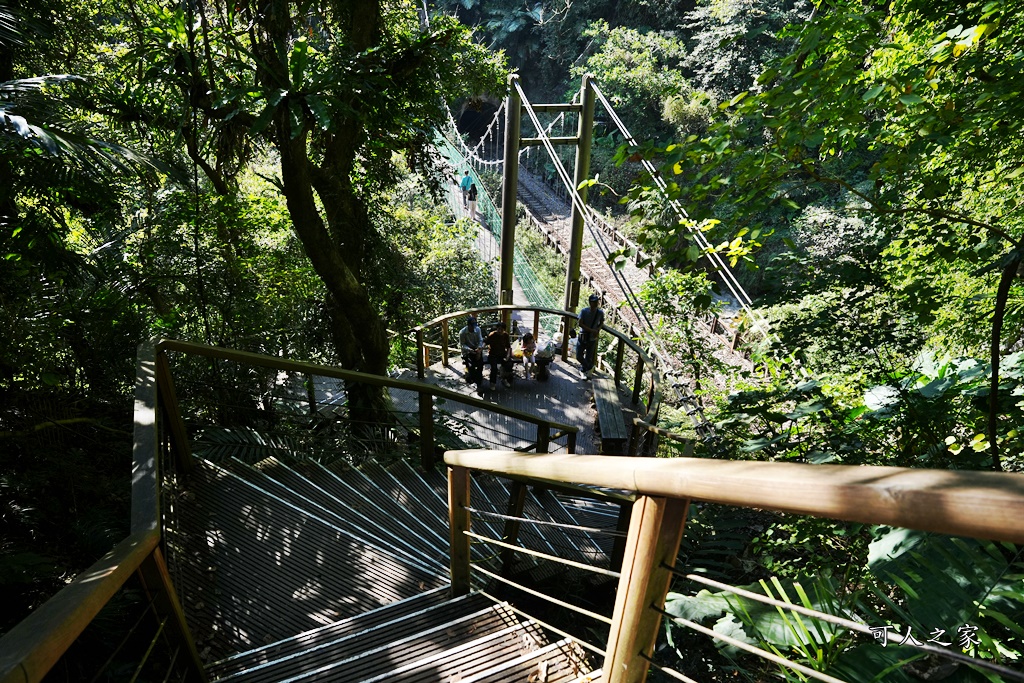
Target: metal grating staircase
(296, 571)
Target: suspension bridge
(594, 250)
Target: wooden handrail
(30, 649)
(986, 505)
(351, 375)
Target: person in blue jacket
(465, 185)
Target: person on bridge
(591, 319)
(472, 202)
(465, 185)
(472, 343)
(500, 345)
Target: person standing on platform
(466, 183)
(472, 342)
(591, 319)
(472, 202)
(500, 346)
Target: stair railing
(30, 649)
(547, 431)
(637, 370)
(982, 505)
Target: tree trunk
(1005, 280)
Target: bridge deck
(565, 397)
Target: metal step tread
(468, 659)
(251, 570)
(422, 657)
(338, 629)
(365, 653)
(389, 498)
(311, 483)
(559, 662)
(275, 478)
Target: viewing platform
(565, 398)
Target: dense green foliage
(858, 163)
(177, 185)
(258, 175)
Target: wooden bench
(608, 403)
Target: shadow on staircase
(296, 571)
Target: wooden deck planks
(564, 397)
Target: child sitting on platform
(529, 352)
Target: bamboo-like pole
(985, 505)
(444, 343)
(584, 135)
(156, 582)
(620, 351)
(638, 379)
(543, 437)
(168, 400)
(30, 649)
(420, 369)
(655, 529)
(459, 522)
(509, 190)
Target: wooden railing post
(570, 443)
(168, 401)
(426, 430)
(567, 322)
(444, 343)
(638, 379)
(516, 502)
(620, 351)
(621, 526)
(156, 582)
(420, 349)
(636, 435)
(458, 521)
(543, 437)
(655, 530)
(650, 392)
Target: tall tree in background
(336, 88)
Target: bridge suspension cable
(587, 213)
(720, 266)
(684, 395)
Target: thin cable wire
(583, 643)
(672, 673)
(731, 282)
(529, 520)
(764, 654)
(579, 204)
(542, 596)
(543, 556)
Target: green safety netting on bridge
(525, 273)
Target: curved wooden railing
(644, 369)
(983, 505)
(546, 429)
